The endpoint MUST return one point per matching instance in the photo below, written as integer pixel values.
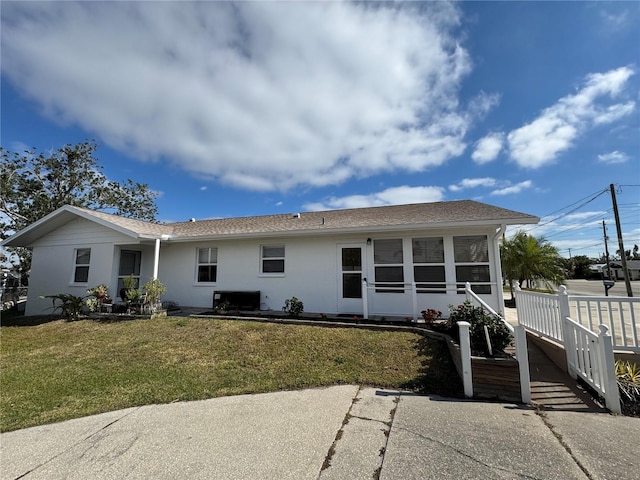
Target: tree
(531, 259)
(33, 185)
(583, 264)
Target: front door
(351, 262)
(129, 266)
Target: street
(596, 288)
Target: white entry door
(351, 268)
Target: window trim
(262, 273)
(83, 265)
(198, 264)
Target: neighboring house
(322, 258)
(617, 272)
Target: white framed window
(207, 265)
(428, 264)
(82, 260)
(272, 259)
(471, 256)
(388, 265)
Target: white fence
(450, 289)
(621, 315)
(589, 355)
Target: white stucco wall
(52, 266)
(312, 269)
(312, 273)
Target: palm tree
(531, 259)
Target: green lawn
(61, 370)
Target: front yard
(61, 370)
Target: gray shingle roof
(411, 215)
(139, 227)
(395, 217)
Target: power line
(591, 199)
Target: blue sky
(250, 108)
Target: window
(388, 265)
(428, 265)
(207, 265)
(351, 272)
(81, 267)
(471, 254)
(273, 259)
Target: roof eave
(57, 219)
(356, 230)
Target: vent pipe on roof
(295, 215)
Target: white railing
(542, 313)
(590, 357)
(620, 314)
(414, 289)
(520, 340)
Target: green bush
(293, 307)
(628, 377)
(70, 306)
(478, 318)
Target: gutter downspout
(498, 269)
(156, 259)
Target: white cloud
(473, 183)
(488, 148)
(513, 189)
(613, 157)
(202, 189)
(583, 215)
(615, 21)
(390, 196)
(555, 130)
(258, 95)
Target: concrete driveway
(342, 432)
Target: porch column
(156, 259)
(498, 266)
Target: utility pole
(607, 283)
(623, 256)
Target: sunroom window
(428, 265)
(471, 255)
(388, 265)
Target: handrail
(474, 296)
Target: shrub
(478, 318)
(70, 306)
(431, 315)
(154, 288)
(293, 307)
(628, 377)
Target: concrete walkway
(342, 432)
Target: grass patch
(60, 370)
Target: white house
(331, 260)
(617, 272)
